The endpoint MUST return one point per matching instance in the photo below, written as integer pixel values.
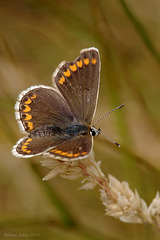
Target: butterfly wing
(31, 146)
(78, 82)
(41, 112)
(40, 106)
(75, 148)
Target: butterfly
(58, 119)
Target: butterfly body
(61, 133)
(58, 120)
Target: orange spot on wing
(28, 151)
(61, 80)
(28, 101)
(30, 125)
(26, 143)
(27, 108)
(34, 96)
(70, 155)
(84, 153)
(73, 67)
(67, 73)
(93, 60)
(79, 63)
(86, 61)
(53, 150)
(64, 153)
(76, 154)
(58, 151)
(23, 148)
(28, 117)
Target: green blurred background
(35, 36)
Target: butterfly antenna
(122, 105)
(117, 144)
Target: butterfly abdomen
(46, 131)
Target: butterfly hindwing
(30, 147)
(75, 148)
(38, 142)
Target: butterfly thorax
(77, 130)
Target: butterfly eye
(93, 131)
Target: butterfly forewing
(41, 106)
(78, 82)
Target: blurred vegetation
(35, 36)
